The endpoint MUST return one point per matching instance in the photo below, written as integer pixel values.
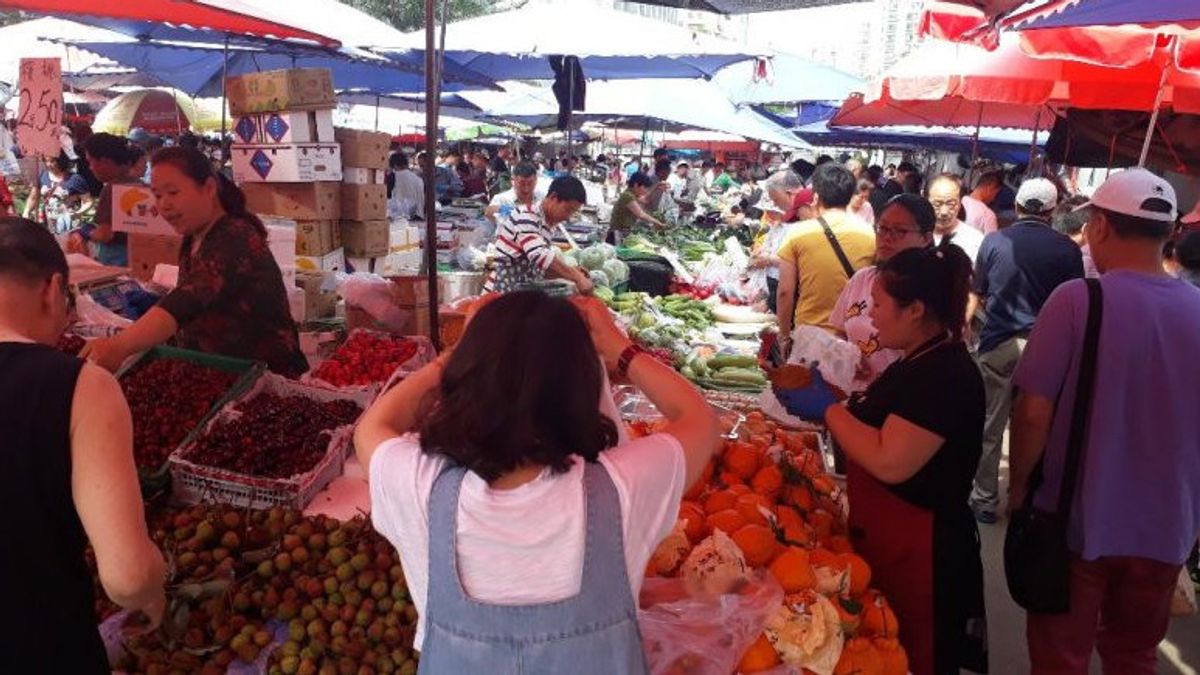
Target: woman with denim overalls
(523, 526)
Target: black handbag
(1037, 561)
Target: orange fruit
(729, 479)
(719, 501)
(822, 524)
(788, 516)
(758, 544)
(859, 657)
(694, 516)
(759, 657)
(740, 489)
(860, 573)
(878, 618)
(895, 660)
(800, 497)
(768, 480)
(792, 570)
(742, 460)
(798, 535)
(823, 557)
(728, 521)
(750, 505)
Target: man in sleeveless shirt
(67, 476)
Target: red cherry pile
(366, 358)
(71, 344)
(275, 436)
(168, 398)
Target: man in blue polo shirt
(1016, 271)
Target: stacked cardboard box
(288, 161)
(365, 229)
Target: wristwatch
(627, 356)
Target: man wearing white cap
(1136, 508)
(1016, 271)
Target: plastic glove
(811, 402)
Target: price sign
(39, 117)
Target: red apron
(896, 539)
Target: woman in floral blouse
(230, 299)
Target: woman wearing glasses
(907, 221)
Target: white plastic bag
(838, 358)
(373, 294)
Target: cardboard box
(286, 126)
(313, 282)
(334, 261)
(292, 163)
(146, 251)
(366, 239)
(365, 149)
(292, 89)
(364, 202)
(298, 201)
(319, 305)
(360, 176)
(409, 320)
(134, 210)
(317, 237)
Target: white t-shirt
(509, 198)
(979, 215)
(852, 315)
(966, 237)
(409, 189)
(523, 546)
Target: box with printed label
(365, 149)
(292, 163)
(334, 261)
(366, 239)
(285, 126)
(364, 202)
(360, 176)
(146, 251)
(292, 89)
(134, 210)
(297, 201)
(317, 237)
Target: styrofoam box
(295, 298)
(286, 126)
(281, 237)
(360, 176)
(293, 163)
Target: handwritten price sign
(39, 117)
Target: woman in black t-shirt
(913, 440)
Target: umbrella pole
(1162, 86)
(975, 145)
(1037, 125)
(224, 77)
(377, 112)
(178, 123)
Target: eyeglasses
(892, 232)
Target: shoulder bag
(1037, 561)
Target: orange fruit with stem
(878, 618)
(798, 535)
(860, 573)
(751, 506)
(728, 479)
(792, 570)
(758, 544)
(787, 516)
(895, 659)
(728, 521)
(740, 489)
(759, 657)
(719, 501)
(767, 481)
(742, 460)
(822, 524)
(859, 657)
(799, 496)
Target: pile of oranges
(768, 491)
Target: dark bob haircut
(938, 277)
(522, 388)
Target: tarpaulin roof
(233, 16)
(996, 144)
(785, 78)
(744, 6)
(950, 111)
(679, 104)
(611, 44)
(1078, 13)
(197, 68)
(451, 104)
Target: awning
(996, 144)
(744, 6)
(950, 111)
(785, 78)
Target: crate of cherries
(278, 444)
(171, 393)
(368, 359)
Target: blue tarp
(787, 78)
(197, 69)
(1117, 12)
(999, 145)
(808, 113)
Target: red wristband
(627, 356)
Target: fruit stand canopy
(232, 16)
(744, 6)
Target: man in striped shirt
(524, 252)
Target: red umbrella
(220, 15)
(950, 111)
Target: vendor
(519, 519)
(629, 210)
(525, 253)
(231, 299)
(906, 222)
(112, 161)
(524, 194)
(913, 441)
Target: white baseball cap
(1130, 192)
(1037, 195)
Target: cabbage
(617, 271)
(604, 293)
(592, 258)
(599, 278)
(608, 250)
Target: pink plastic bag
(703, 635)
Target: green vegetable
(732, 361)
(592, 259)
(604, 293)
(617, 271)
(646, 320)
(740, 376)
(599, 278)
